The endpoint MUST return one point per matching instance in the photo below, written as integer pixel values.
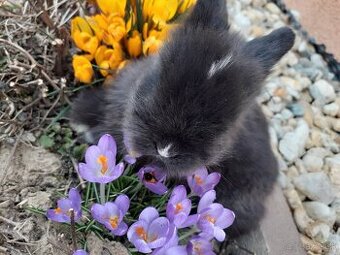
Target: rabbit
(194, 104)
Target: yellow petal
(86, 42)
(160, 10)
(112, 6)
(99, 56)
(116, 27)
(185, 5)
(104, 68)
(134, 44)
(95, 27)
(80, 24)
(145, 30)
(131, 21)
(82, 69)
(151, 45)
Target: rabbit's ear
(270, 48)
(211, 14)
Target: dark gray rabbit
(193, 104)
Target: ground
(301, 101)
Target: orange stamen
(103, 161)
(198, 180)
(141, 233)
(210, 219)
(57, 210)
(179, 208)
(114, 221)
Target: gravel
(301, 100)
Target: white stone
(321, 212)
(292, 144)
(331, 109)
(313, 160)
(316, 186)
(318, 231)
(322, 92)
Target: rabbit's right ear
(209, 14)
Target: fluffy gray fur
(193, 104)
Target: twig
(9, 161)
(73, 230)
(82, 182)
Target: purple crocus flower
(62, 212)
(201, 182)
(150, 231)
(111, 214)
(213, 217)
(171, 241)
(153, 177)
(179, 207)
(100, 160)
(196, 246)
(80, 252)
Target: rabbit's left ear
(269, 49)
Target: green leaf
(46, 142)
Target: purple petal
(111, 161)
(190, 221)
(219, 234)
(99, 213)
(213, 178)
(74, 196)
(58, 217)
(87, 173)
(206, 227)
(202, 172)
(179, 219)
(178, 250)
(117, 171)
(157, 188)
(158, 232)
(207, 199)
(178, 194)
(149, 214)
(123, 203)
(80, 252)
(64, 204)
(107, 143)
(198, 245)
(91, 156)
(141, 246)
(226, 219)
(129, 159)
(131, 234)
(121, 229)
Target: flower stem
(102, 193)
(73, 230)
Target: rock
(297, 109)
(317, 60)
(333, 163)
(320, 212)
(336, 125)
(292, 144)
(315, 137)
(336, 207)
(300, 166)
(315, 186)
(322, 92)
(313, 160)
(273, 8)
(331, 109)
(311, 245)
(318, 231)
(293, 198)
(329, 143)
(301, 219)
(97, 246)
(333, 245)
(40, 200)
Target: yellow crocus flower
(83, 36)
(116, 27)
(160, 10)
(108, 58)
(112, 6)
(185, 5)
(134, 44)
(151, 45)
(82, 69)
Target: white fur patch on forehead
(164, 152)
(220, 65)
